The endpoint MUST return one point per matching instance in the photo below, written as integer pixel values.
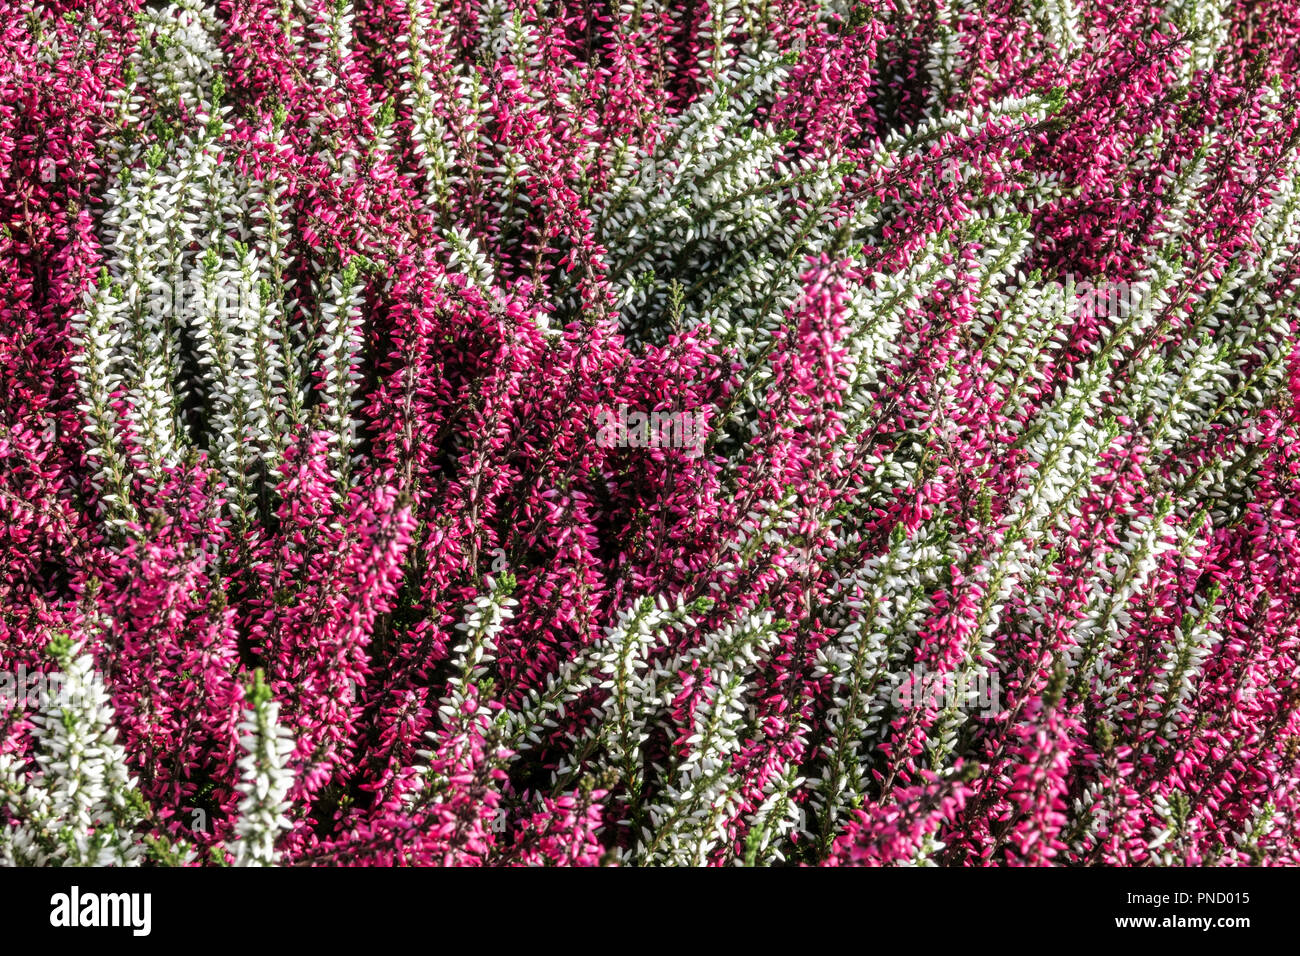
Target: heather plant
(474, 432)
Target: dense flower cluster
(653, 432)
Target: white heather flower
(266, 780)
(81, 805)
